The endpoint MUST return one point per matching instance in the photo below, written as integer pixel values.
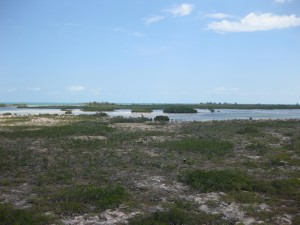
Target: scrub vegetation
(93, 169)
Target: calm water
(202, 115)
(222, 114)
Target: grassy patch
(84, 198)
(216, 180)
(78, 128)
(259, 149)
(207, 147)
(121, 119)
(245, 197)
(12, 216)
(248, 130)
(176, 215)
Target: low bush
(248, 130)
(121, 119)
(216, 180)
(161, 119)
(206, 147)
(12, 216)
(179, 109)
(141, 110)
(82, 198)
(177, 216)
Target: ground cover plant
(179, 109)
(94, 169)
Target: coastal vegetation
(141, 110)
(67, 169)
(161, 119)
(107, 106)
(179, 109)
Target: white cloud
(34, 89)
(282, 1)
(96, 91)
(218, 15)
(125, 31)
(181, 10)
(76, 88)
(138, 34)
(255, 22)
(225, 90)
(153, 19)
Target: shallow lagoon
(222, 114)
(202, 115)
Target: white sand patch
(89, 138)
(108, 217)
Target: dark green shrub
(258, 148)
(207, 147)
(12, 216)
(141, 110)
(177, 216)
(121, 119)
(68, 112)
(216, 180)
(81, 198)
(161, 119)
(248, 130)
(179, 109)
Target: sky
(141, 51)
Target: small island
(142, 110)
(179, 109)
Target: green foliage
(296, 220)
(82, 198)
(206, 147)
(245, 197)
(12, 216)
(99, 106)
(216, 180)
(248, 130)
(68, 112)
(78, 128)
(259, 149)
(161, 119)
(179, 109)
(177, 216)
(279, 159)
(121, 119)
(141, 110)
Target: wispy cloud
(220, 90)
(33, 89)
(153, 19)
(136, 34)
(76, 88)
(255, 22)
(219, 15)
(282, 1)
(96, 91)
(8, 89)
(181, 10)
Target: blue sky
(140, 51)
